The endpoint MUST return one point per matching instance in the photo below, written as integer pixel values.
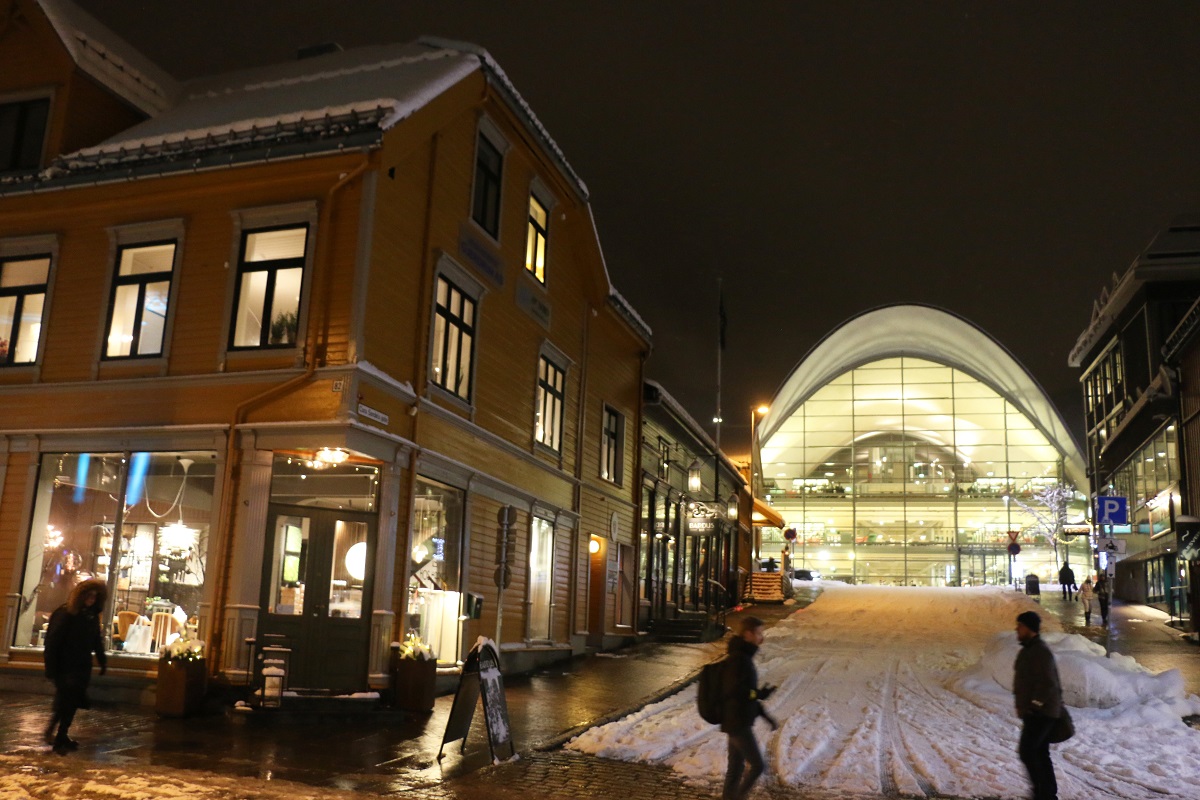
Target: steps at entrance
(765, 587)
(684, 629)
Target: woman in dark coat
(74, 633)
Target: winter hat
(1030, 620)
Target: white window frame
(538, 192)
(490, 131)
(558, 360)
(16, 249)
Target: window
(434, 591)
(664, 459)
(489, 166)
(612, 446)
(22, 133)
(541, 578)
(137, 313)
(550, 394)
(453, 338)
(266, 310)
(535, 242)
(23, 283)
(138, 521)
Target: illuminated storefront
(909, 448)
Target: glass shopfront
(910, 472)
(140, 522)
(435, 562)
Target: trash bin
(1032, 587)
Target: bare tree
(1050, 513)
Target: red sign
(1014, 549)
(1012, 537)
(790, 534)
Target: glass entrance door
(317, 577)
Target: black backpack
(709, 694)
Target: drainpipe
(315, 324)
(577, 534)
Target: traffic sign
(503, 576)
(1112, 510)
(1014, 549)
(790, 534)
(1111, 546)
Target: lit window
(23, 283)
(612, 436)
(266, 310)
(137, 314)
(535, 243)
(22, 133)
(550, 395)
(453, 339)
(541, 578)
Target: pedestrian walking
(1038, 696)
(742, 705)
(1086, 596)
(74, 633)
(1066, 577)
(1103, 597)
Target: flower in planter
(415, 649)
(184, 648)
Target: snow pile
(908, 691)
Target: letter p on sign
(1112, 511)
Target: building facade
(284, 360)
(910, 448)
(696, 512)
(1133, 415)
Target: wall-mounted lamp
(694, 482)
(732, 508)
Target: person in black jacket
(74, 633)
(741, 705)
(1038, 696)
(1066, 577)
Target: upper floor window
(137, 313)
(453, 338)
(270, 278)
(612, 446)
(551, 393)
(535, 241)
(22, 133)
(664, 459)
(489, 166)
(23, 283)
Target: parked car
(805, 575)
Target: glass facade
(434, 593)
(906, 471)
(151, 548)
(1150, 480)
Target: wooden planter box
(414, 684)
(181, 687)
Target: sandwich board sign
(481, 678)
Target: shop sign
(370, 413)
(701, 525)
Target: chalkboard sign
(481, 677)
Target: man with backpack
(741, 705)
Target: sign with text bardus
(370, 413)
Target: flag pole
(720, 347)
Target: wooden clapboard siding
(12, 512)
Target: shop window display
(435, 596)
(151, 549)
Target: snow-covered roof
(109, 59)
(693, 427)
(921, 331)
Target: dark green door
(317, 576)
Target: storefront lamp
(332, 455)
(356, 560)
(694, 484)
(732, 508)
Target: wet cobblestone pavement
(394, 754)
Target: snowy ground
(906, 690)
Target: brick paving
(393, 754)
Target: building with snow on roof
(320, 354)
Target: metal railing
(717, 615)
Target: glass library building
(909, 448)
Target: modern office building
(909, 447)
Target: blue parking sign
(1112, 510)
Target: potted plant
(414, 675)
(182, 678)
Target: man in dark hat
(1038, 696)
(73, 635)
(742, 704)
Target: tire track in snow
(893, 738)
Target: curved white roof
(937, 335)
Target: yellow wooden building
(319, 354)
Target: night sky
(1000, 160)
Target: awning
(765, 515)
